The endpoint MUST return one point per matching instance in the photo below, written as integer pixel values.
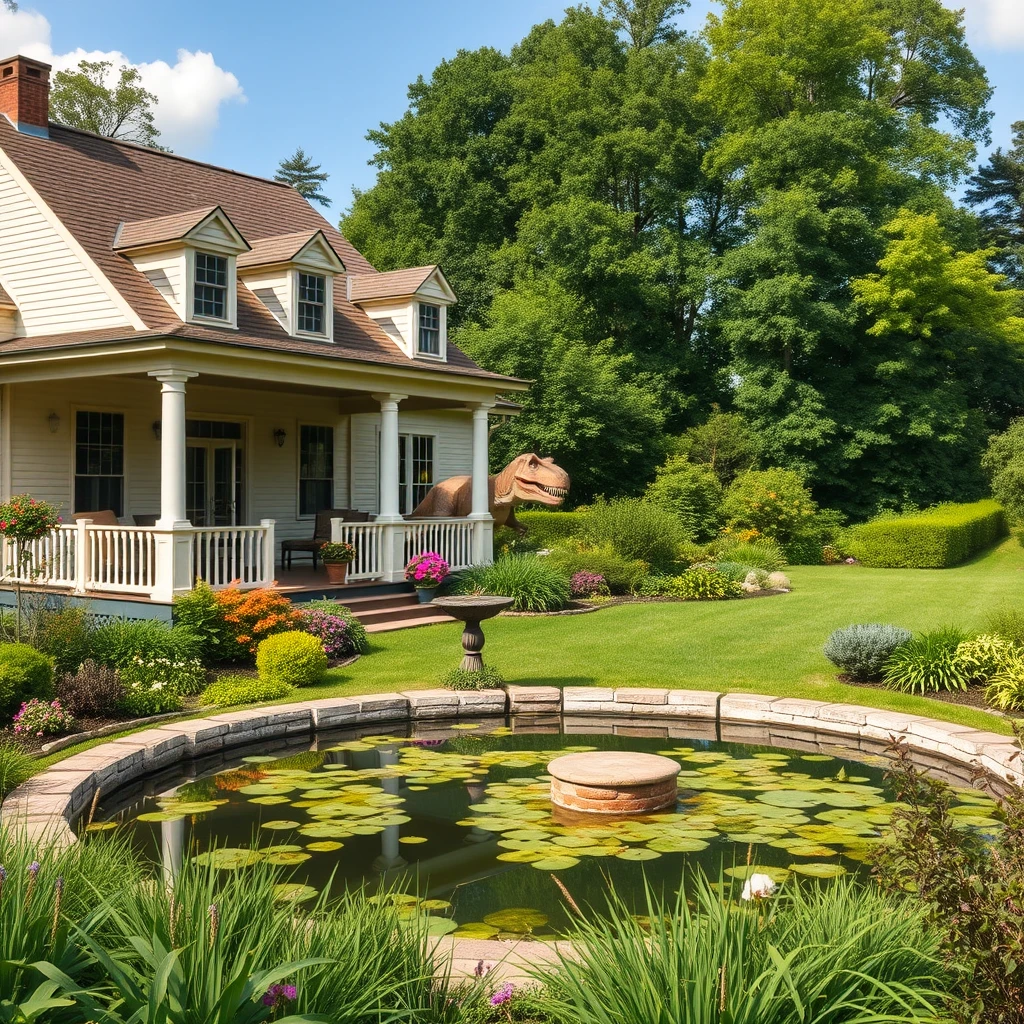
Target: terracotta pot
(336, 571)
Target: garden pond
(460, 823)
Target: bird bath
(472, 609)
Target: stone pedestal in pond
(613, 782)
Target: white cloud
(189, 93)
(995, 23)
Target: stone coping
(48, 803)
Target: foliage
(927, 662)
(203, 615)
(997, 189)
(226, 691)
(65, 634)
(637, 529)
(1005, 688)
(982, 656)
(698, 583)
(1003, 461)
(123, 641)
(43, 718)
(760, 553)
(723, 442)
(841, 953)
(774, 502)
(24, 674)
(534, 583)
(622, 575)
(970, 882)
(295, 658)
(337, 552)
(185, 675)
(1007, 621)
(92, 690)
(15, 765)
(304, 176)
(693, 494)
(24, 518)
(428, 569)
(588, 584)
(547, 529)
(331, 630)
(357, 635)
(460, 679)
(936, 539)
(146, 694)
(862, 651)
(90, 97)
(253, 615)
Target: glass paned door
(213, 483)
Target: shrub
(230, 690)
(184, 675)
(1006, 686)
(94, 689)
(254, 615)
(588, 584)
(705, 583)
(1003, 461)
(15, 765)
(533, 582)
(24, 674)
(1007, 622)
(357, 635)
(862, 651)
(936, 539)
(294, 658)
(460, 679)
(774, 502)
(42, 718)
(637, 529)
(724, 443)
(546, 529)
(65, 634)
(759, 553)
(693, 494)
(203, 615)
(122, 642)
(622, 575)
(338, 552)
(143, 698)
(927, 662)
(982, 657)
(330, 630)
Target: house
(199, 360)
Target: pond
(461, 820)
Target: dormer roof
(396, 284)
(289, 248)
(174, 227)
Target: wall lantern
(279, 436)
(54, 420)
(156, 429)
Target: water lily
(757, 887)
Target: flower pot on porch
(336, 572)
(426, 594)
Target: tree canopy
(304, 176)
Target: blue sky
(243, 83)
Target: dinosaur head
(531, 478)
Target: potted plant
(426, 572)
(336, 555)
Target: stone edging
(47, 804)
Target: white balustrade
(47, 561)
(452, 539)
(365, 538)
(234, 554)
(121, 559)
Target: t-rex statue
(526, 478)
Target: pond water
(463, 821)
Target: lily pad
(269, 801)
(160, 816)
(819, 869)
(280, 826)
(100, 826)
(555, 863)
(324, 846)
(293, 892)
(679, 845)
(438, 926)
(229, 858)
(638, 853)
(522, 920)
(412, 840)
(476, 930)
(286, 858)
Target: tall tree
(82, 99)
(646, 21)
(304, 176)
(997, 190)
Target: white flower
(757, 887)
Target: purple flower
(503, 995)
(33, 869)
(278, 995)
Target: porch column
(173, 542)
(392, 538)
(480, 512)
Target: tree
(11, 5)
(1003, 461)
(82, 99)
(304, 176)
(646, 21)
(997, 190)
(693, 494)
(723, 442)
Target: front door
(213, 483)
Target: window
(316, 469)
(430, 330)
(211, 287)
(312, 293)
(415, 470)
(99, 462)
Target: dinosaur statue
(526, 478)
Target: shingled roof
(389, 285)
(281, 249)
(96, 185)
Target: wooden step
(426, 620)
(365, 605)
(408, 610)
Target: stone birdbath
(472, 609)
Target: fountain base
(613, 782)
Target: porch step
(423, 620)
(393, 608)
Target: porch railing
(452, 539)
(366, 539)
(221, 555)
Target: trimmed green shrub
(698, 583)
(775, 502)
(622, 575)
(24, 673)
(294, 658)
(230, 690)
(861, 651)
(693, 494)
(65, 634)
(546, 529)
(760, 553)
(355, 630)
(936, 539)
(120, 643)
(637, 529)
(203, 615)
(927, 662)
(532, 581)
(460, 679)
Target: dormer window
(211, 287)
(312, 298)
(429, 343)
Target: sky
(242, 83)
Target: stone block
(434, 703)
(333, 712)
(159, 747)
(846, 718)
(694, 703)
(202, 735)
(746, 707)
(881, 725)
(693, 729)
(482, 702)
(738, 732)
(796, 709)
(534, 699)
(975, 742)
(583, 697)
(640, 695)
(382, 707)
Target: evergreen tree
(997, 190)
(304, 176)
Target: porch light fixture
(279, 435)
(156, 429)
(54, 420)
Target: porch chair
(321, 535)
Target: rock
(779, 581)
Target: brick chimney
(25, 94)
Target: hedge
(548, 528)
(936, 539)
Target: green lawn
(770, 645)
